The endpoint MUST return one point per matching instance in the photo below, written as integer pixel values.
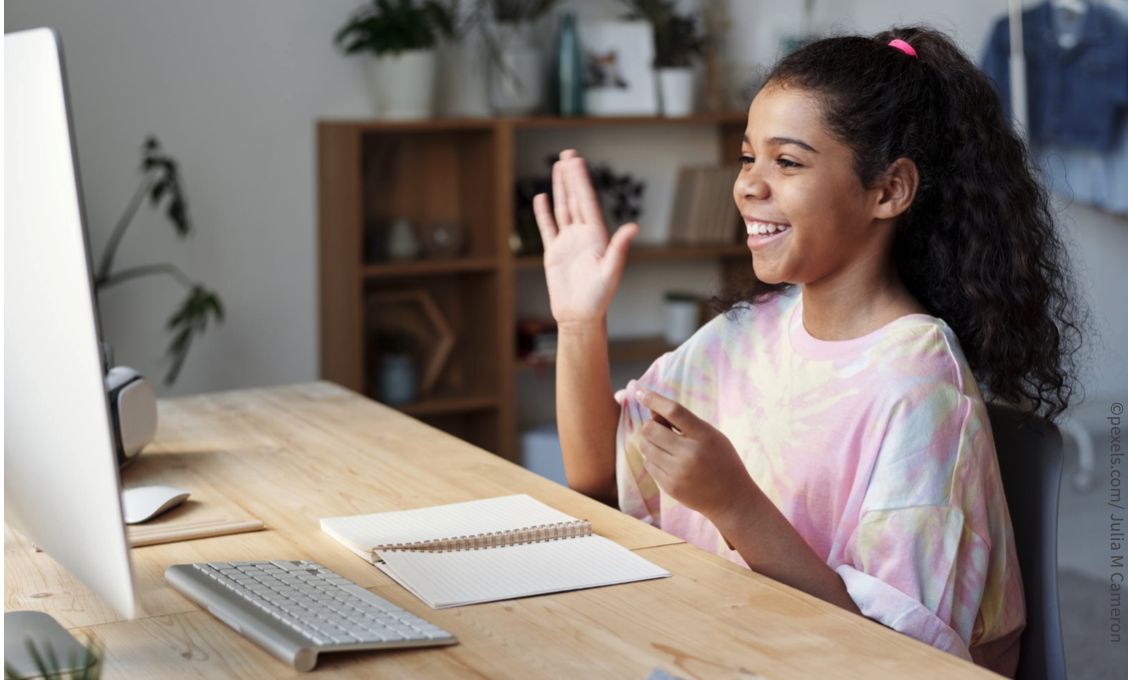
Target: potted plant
(516, 76)
(160, 180)
(677, 42)
(401, 36)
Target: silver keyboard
(298, 609)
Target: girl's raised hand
(582, 267)
(691, 460)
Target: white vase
(681, 314)
(462, 80)
(675, 88)
(516, 82)
(403, 85)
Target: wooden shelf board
(430, 125)
(658, 253)
(733, 117)
(424, 267)
(435, 405)
(473, 124)
(647, 348)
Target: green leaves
(189, 322)
(160, 181)
(515, 11)
(392, 26)
(676, 39)
(167, 181)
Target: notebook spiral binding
(496, 539)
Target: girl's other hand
(582, 267)
(693, 461)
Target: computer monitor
(61, 485)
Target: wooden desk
(293, 455)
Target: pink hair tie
(903, 46)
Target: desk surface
(293, 455)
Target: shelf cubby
(460, 170)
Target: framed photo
(618, 69)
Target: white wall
(233, 91)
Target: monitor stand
(46, 634)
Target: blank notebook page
(444, 521)
(451, 579)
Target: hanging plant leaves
(187, 323)
(166, 181)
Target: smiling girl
(829, 430)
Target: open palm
(582, 266)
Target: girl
(828, 430)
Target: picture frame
(618, 68)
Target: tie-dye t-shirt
(879, 452)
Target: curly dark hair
(978, 246)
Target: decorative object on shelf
(676, 87)
(400, 35)
(742, 82)
(677, 43)
(516, 86)
(703, 212)
(398, 382)
(619, 78)
(413, 312)
(444, 239)
(516, 76)
(569, 70)
(715, 24)
(681, 314)
(620, 195)
(526, 235)
(160, 179)
(403, 244)
(620, 198)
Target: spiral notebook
(488, 550)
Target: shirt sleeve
(918, 560)
(920, 571)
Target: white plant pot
(681, 318)
(675, 88)
(403, 85)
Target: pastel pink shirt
(879, 452)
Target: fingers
(654, 457)
(616, 256)
(582, 201)
(544, 219)
(560, 195)
(661, 436)
(676, 414)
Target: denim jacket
(1077, 95)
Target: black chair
(1030, 461)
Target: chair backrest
(1030, 462)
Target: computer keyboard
(298, 609)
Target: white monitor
(61, 486)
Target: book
(488, 550)
(703, 211)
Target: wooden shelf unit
(460, 170)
